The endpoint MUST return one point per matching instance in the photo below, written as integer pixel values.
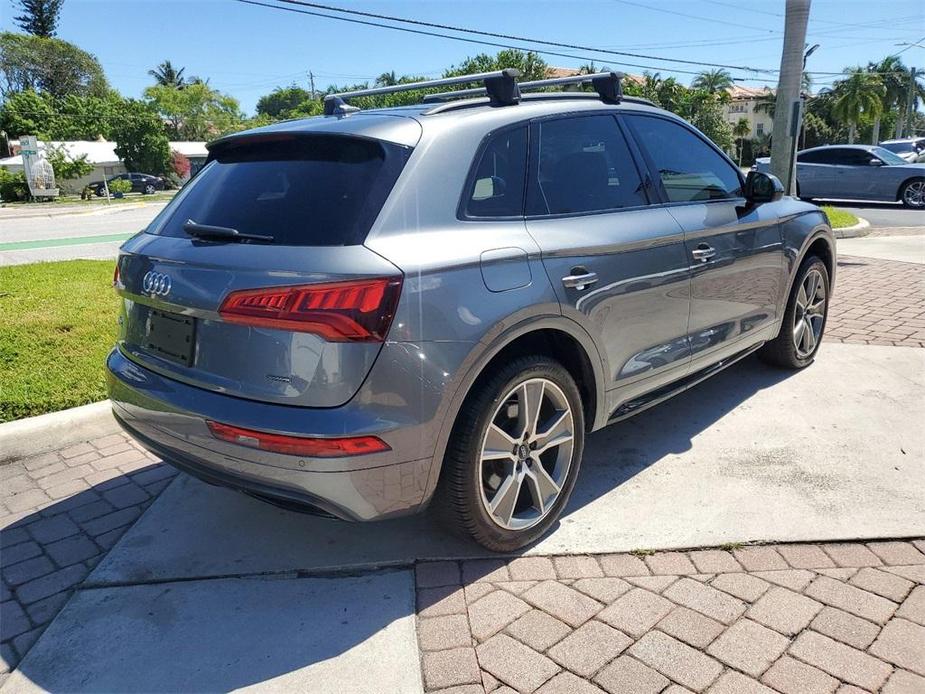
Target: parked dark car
(372, 312)
(856, 172)
(141, 183)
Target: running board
(652, 398)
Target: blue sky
(246, 50)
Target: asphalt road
(881, 214)
(94, 234)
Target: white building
(743, 101)
(102, 155)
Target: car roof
(403, 124)
(865, 148)
(900, 140)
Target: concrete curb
(98, 208)
(26, 437)
(862, 228)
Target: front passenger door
(735, 250)
(618, 266)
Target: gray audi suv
(372, 312)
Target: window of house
(583, 165)
(689, 168)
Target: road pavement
(881, 214)
(86, 234)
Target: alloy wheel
(809, 314)
(526, 453)
(914, 194)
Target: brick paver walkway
(60, 512)
(788, 618)
(878, 302)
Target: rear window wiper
(209, 231)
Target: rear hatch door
(293, 309)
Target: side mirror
(762, 187)
(875, 162)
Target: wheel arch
(555, 336)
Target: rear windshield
(303, 191)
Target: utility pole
(311, 81)
(787, 105)
(910, 109)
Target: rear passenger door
(618, 266)
(734, 249)
(815, 173)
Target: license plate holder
(171, 336)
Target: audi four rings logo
(156, 283)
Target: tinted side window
(854, 157)
(497, 190)
(822, 156)
(583, 165)
(689, 168)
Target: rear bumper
(169, 418)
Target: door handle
(703, 252)
(580, 278)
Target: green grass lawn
(57, 323)
(839, 218)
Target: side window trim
(653, 169)
(461, 213)
(533, 165)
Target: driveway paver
(719, 635)
(59, 515)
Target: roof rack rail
(606, 84)
(500, 85)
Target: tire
(790, 350)
(470, 483)
(149, 189)
(912, 194)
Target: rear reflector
(298, 445)
(351, 311)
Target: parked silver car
(856, 172)
(912, 149)
(370, 312)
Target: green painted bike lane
(54, 243)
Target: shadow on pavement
(218, 591)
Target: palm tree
(387, 79)
(740, 131)
(859, 95)
(713, 81)
(766, 103)
(891, 73)
(167, 76)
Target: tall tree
(39, 17)
(740, 131)
(166, 75)
(47, 65)
(387, 79)
(140, 139)
(859, 95)
(195, 111)
(713, 81)
(530, 64)
(796, 18)
(891, 73)
(282, 102)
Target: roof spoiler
(500, 86)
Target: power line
(472, 41)
(712, 20)
(511, 37)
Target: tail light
(116, 277)
(298, 445)
(351, 311)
